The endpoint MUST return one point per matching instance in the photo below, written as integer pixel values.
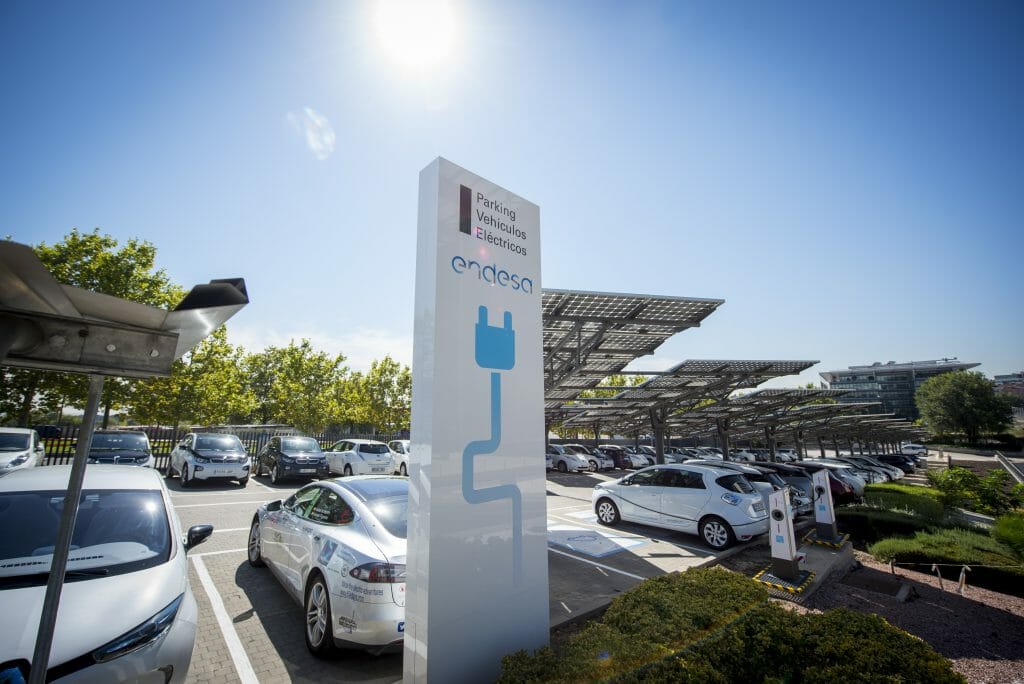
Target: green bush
(1009, 530)
(714, 626)
(866, 524)
(991, 494)
(924, 502)
(993, 565)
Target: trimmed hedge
(924, 502)
(993, 565)
(710, 625)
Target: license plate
(222, 472)
(377, 470)
(307, 470)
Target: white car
(400, 455)
(338, 547)
(359, 457)
(127, 613)
(786, 455)
(566, 460)
(742, 455)
(210, 456)
(911, 449)
(20, 448)
(718, 504)
(597, 459)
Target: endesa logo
(491, 274)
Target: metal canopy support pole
(821, 445)
(835, 444)
(597, 435)
(723, 435)
(798, 437)
(547, 433)
(658, 418)
(62, 547)
(769, 435)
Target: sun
(417, 34)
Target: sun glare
(417, 34)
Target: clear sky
(847, 176)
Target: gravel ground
(982, 632)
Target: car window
(300, 444)
(646, 477)
(735, 483)
(12, 441)
(219, 443)
(331, 509)
(690, 479)
(373, 449)
(302, 500)
(120, 441)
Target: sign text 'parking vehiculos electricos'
(477, 556)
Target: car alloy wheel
(562, 468)
(319, 638)
(255, 545)
(593, 466)
(273, 474)
(348, 470)
(607, 512)
(184, 475)
(716, 532)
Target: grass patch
(993, 564)
(1009, 530)
(924, 502)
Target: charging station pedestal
(825, 532)
(784, 573)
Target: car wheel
(562, 468)
(243, 481)
(402, 470)
(319, 637)
(348, 470)
(169, 473)
(185, 482)
(255, 544)
(593, 466)
(274, 479)
(607, 512)
(716, 533)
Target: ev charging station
(825, 532)
(477, 573)
(784, 572)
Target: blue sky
(847, 176)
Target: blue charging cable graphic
(495, 350)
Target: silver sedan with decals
(338, 548)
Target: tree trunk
(26, 402)
(106, 415)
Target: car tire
(319, 635)
(274, 478)
(593, 467)
(255, 546)
(348, 471)
(607, 512)
(562, 468)
(169, 473)
(243, 481)
(402, 470)
(185, 481)
(716, 533)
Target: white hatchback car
(718, 504)
(911, 449)
(210, 456)
(400, 455)
(127, 613)
(359, 457)
(20, 448)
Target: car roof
(362, 441)
(214, 434)
(367, 487)
(704, 467)
(729, 465)
(17, 430)
(96, 477)
(119, 432)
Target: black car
(121, 447)
(618, 455)
(292, 457)
(904, 463)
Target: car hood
(8, 456)
(302, 454)
(92, 612)
(213, 453)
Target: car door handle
(316, 538)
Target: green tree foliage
(303, 390)
(206, 387)
(380, 398)
(963, 402)
(96, 262)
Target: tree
(382, 397)
(299, 385)
(963, 402)
(206, 387)
(94, 262)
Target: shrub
(1009, 530)
(958, 486)
(993, 565)
(924, 502)
(866, 524)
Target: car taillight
(379, 573)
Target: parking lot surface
(250, 630)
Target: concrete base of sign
(826, 530)
(822, 562)
(787, 569)
(835, 542)
(795, 585)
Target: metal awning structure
(591, 335)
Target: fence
(60, 450)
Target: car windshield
(735, 483)
(373, 448)
(393, 513)
(219, 443)
(10, 441)
(774, 479)
(116, 532)
(300, 444)
(132, 441)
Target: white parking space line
(597, 526)
(596, 565)
(242, 665)
(217, 553)
(223, 503)
(232, 529)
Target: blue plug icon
(495, 350)
(495, 347)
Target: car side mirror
(197, 534)
(274, 505)
(628, 481)
(40, 447)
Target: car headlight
(146, 633)
(200, 459)
(285, 458)
(18, 461)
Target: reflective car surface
(359, 457)
(20, 448)
(209, 456)
(400, 455)
(126, 609)
(718, 504)
(567, 460)
(291, 457)
(597, 459)
(338, 547)
(121, 447)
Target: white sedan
(718, 504)
(338, 548)
(127, 613)
(400, 455)
(359, 457)
(20, 448)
